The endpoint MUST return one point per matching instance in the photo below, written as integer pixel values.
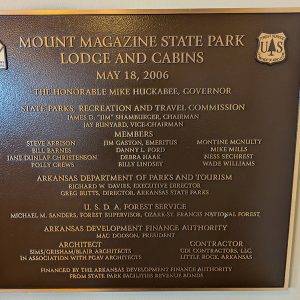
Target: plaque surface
(147, 150)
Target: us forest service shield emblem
(271, 48)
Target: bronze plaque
(146, 150)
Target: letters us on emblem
(271, 48)
(3, 61)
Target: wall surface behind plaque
(294, 292)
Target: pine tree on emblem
(271, 47)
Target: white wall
(294, 292)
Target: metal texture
(264, 111)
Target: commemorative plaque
(145, 150)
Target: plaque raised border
(297, 150)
